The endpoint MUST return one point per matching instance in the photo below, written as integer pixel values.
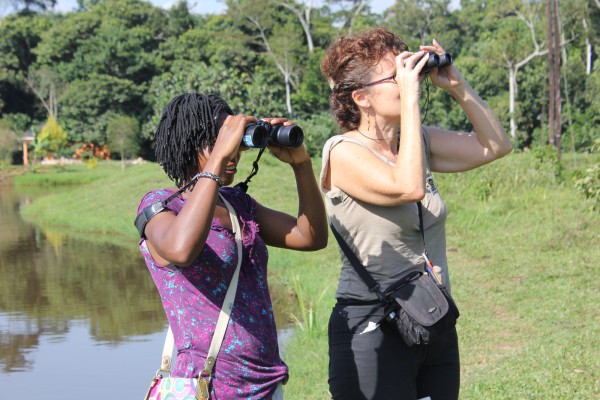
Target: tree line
(98, 77)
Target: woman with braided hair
(191, 252)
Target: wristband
(212, 176)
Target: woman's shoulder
(332, 141)
(154, 196)
(337, 139)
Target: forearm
(188, 232)
(311, 222)
(410, 163)
(487, 128)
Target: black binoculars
(259, 134)
(436, 60)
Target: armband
(146, 215)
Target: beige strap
(215, 345)
(223, 320)
(165, 362)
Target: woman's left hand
(289, 155)
(447, 77)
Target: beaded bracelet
(212, 176)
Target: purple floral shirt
(248, 364)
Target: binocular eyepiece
(261, 133)
(436, 60)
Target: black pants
(368, 362)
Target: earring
(368, 121)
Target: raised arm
(460, 151)
(308, 230)
(179, 239)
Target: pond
(78, 319)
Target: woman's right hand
(408, 72)
(230, 136)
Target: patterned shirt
(248, 364)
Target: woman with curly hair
(373, 176)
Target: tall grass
(523, 251)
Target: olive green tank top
(386, 239)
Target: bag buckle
(202, 389)
(204, 378)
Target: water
(78, 319)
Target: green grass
(523, 250)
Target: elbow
(508, 147)
(503, 150)
(184, 257)
(319, 239)
(415, 195)
(321, 242)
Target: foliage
(129, 57)
(548, 163)
(51, 139)
(89, 104)
(123, 133)
(18, 122)
(317, 129)
(588, 181)
(8, 142)
(307, 320)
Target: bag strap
(420, 208)
(360, 269)
(205, 377)
(428, 265)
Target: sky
(199, 6)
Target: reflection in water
(49, 279)
(71, 305)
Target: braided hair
(188, 124)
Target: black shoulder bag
(419, 306)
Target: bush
(8, 142)
(317, 129)
(588, 182)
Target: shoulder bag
(419, 307)
(165, 386)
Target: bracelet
(212, 176)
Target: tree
(510, 31)
(303, 12)
(51, 139)
(180, 19)
(26, 7)
(279, 38)
(554, 34)
(8, 141)
(419, 20)
(123, 132)
(89, 104)
(44, 84)
(19, 36)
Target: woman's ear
(361, 99)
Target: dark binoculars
(436, 60)
(261, 133)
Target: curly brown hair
(347, 67)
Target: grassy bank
(523, 250)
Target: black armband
(146, 215)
